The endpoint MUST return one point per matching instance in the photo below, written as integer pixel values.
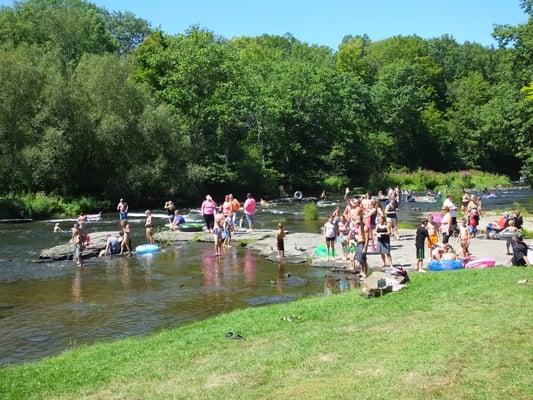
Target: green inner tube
(192, 227)
(322, 251)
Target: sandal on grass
(231, 335)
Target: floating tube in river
(147, 248)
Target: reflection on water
(77, 290)
(46, 308)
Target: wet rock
(240, 237)
(66, 251)
(295, 281)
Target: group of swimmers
(222, 221)
(363, 223)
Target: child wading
(421, 236)
(280, 236)
(330, 235)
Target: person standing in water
(126, 238)
(280, 237)
(170, 207)
(330, 236)
(80, 240)
(217, 233)
(208, 211)
(149, 227)
(122, 208)
(249, 211)
(235, 207)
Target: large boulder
(66, 251)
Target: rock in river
(66, 251)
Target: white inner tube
(298, 195)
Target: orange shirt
(235, 205)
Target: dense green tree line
(94, 102)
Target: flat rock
(240, 236)
(66, 251)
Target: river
(47, 308)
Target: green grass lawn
(449, 335)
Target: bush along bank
(41, 205)
(421, 180)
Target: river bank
(427, 341)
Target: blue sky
(326, 22)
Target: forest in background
(100, 103)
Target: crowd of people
(365, 225)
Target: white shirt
(453, 210)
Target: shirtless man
(122, 208)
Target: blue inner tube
(147, 248)
(445, 265)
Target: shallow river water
(47, 308)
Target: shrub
(336, 183)
(310, 211)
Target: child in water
(227, 231)
(57, 228)
(217, 233)
(280, 236)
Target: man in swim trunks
(122, 208)
(433, 232)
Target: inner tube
(481, 263)
(191, 227)
(444, 265)
(322, 251)
(298, 195)
(147, 248)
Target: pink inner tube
(481, 263)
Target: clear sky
(327, 22)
